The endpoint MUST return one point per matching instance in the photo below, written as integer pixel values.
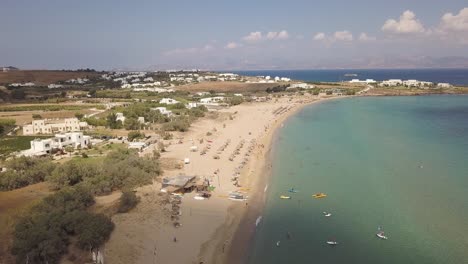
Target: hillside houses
(212, 100)
(41, 147)
(444, 85)
(366, 81)
(168, 101)
(49, 126)
(301, 86)
(162, 110)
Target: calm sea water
(453, 76)
(396, 162)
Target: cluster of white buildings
(78, 81)
(269, 79)
(407, 83)
(27, 84)
(212, 101)
(163, 110)
(54, 86)
(400, 82)
(301, 86)
(41, 147)
(154, 90)
(366, 81)
(196, 77)
(49, 126)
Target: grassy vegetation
(9, 144)
(6, 125)
(120, 169)
(44, 232)
(48, 107)
(24, 171)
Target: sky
(218, 35)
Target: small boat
(292, 190)
(285, 197)
(332, 243)
(319, 195)
(327, 214)
(278, 243)
(259, 219)
(381, 234)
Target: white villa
(301, 85)
(391, 82)
(191, 105)
(40, 147)
(366, 81)
(444, 85)
(45, 126)
(416, 83)
(120, 117)
(168, 101)
(212, 100)
(407, 83)
(163, 110)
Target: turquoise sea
(396, 162)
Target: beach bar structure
(179, 183)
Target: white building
(444, 85)
(191, 105)
(141, 119)
(391, 82)
(168, 101)
(54, 86)
(238, 94)
(301, 86)
(44, 126)
(367, 81)
(212, 100)
(162, 110)
(40, 147)
(202, 93)
(120, 117)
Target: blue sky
(229, 34)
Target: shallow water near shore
(396, 162)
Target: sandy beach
(209, 228)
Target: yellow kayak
(285, 197)
(319, 195)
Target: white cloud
(253, 36)
(282, 35)
(271, 35)
(208, 47)
(364, 37)
(406, 25)
(319, 36)
(232, 45)
(459, 22)
(343, 35)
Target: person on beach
(175, 239)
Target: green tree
(36, 116)
(93, 231)
(132, 124)
(112, 121)
(79, 115)
(128, 200)
(135, 135)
